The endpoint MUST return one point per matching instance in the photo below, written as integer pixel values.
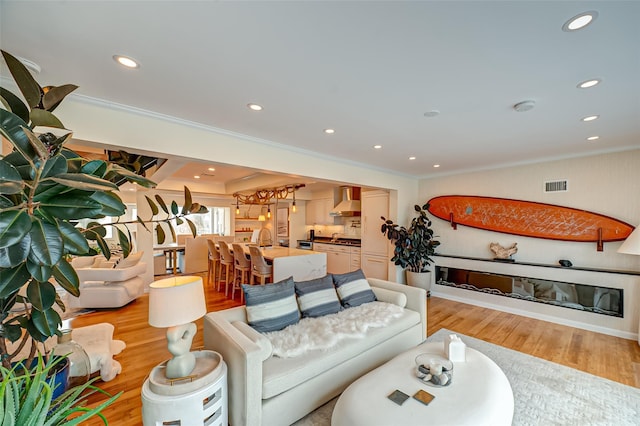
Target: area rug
(545, 393)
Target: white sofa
(106, 286)
(267, 390)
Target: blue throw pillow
(317, 297)
(353, 289)
(271, 307)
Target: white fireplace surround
(626, 327)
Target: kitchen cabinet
(356, 254)
(375, 246)
(338, 257)
(317, 211)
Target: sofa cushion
(131, 260)
(271, 307)
(282, 374)
(353, 289)
(317, 297)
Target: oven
(305, 244)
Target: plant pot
(420, 279)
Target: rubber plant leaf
(173, 231)
(55, 165)
(36, 143)
(11, 128)
(125, 242)
(46, 322)
(70, 207)
(84, 182)
(194, 230)
(67, 277)
(162, 204)
(29, 88)
(73, 240)
(10, 180)
(174, 207)
(104, 247)
(15, 105)
(12, 279)
(40, 117)
(46, 243)
(160, 234)
(112, 205)
(187, 201)
(14, 225)
(54, 95)
(42, 295)
(39, 271)
(16, 254)
(95, 167)
(153, 206)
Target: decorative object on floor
(79, 364)
(97, 341)
(413, 246)
(38, 226)
(175, 303)
(545, 393)
(529, 219)
(566, 263)
(503, 253)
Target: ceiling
(373, 71)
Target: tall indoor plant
(413, 245)
(45, 189)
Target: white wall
(608, 184)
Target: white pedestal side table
(201, 400)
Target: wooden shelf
(247, 232)
(246, 218)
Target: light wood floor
(614, 358)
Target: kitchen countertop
(349, 242)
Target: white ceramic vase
(420, 279)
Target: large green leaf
(46, 322)
(40, 117)
(30, 89)
(36, 143)
(14, 225)
(14, 104)
(84, 182)
(12, 279)
(46, 243)
(55, 166)
(115, 171)
(39, 271)
(125, 242)
(111, 203)
(174, 207)
(153, 206)
(162, 204)
(160, 234)
(187, 201)
(192, 226)
(54, 95)
(10, 180)
(104, 247)
(70, 207)
(94, 230)
(95, 167)
(15, 254)
(67, 277)
(41, 294)
(11, 128)
(74, 241)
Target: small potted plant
(413, 247)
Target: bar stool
(242, 267)
(213, 264)
(226, 261)
(259, 267)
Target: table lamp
(632, 244)
(175, 303)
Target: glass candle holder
(434, 369)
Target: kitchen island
(302, 265)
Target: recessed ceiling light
(590, 118)
(436, 165)
(254, 107)
(589, 83)
(593, 138)
(329, 131)
(126, 61)
(412, 158)
(580, 21)
(377, 146)
(196, 177)
(212, 169)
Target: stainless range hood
(349, 206)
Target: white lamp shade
(632, 244)
(176, 301)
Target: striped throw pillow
(317, 297)
(353, 289)
(271, 307)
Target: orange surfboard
(528, 218)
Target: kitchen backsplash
(349, 229)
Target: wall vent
(561, 185)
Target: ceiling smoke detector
(524, 106)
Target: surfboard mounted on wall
(529, 219)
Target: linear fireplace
(599, 300)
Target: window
(217, 221)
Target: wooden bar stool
(242, 268)
(259, 267)
(214, 264)
(226, 262)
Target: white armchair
(106, 286)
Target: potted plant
(45, 189)
(413, 246)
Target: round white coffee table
(479, 394)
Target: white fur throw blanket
(325, 332)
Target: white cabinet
(356, 254)
(375, 246)
(317, 211)
(338, 257)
